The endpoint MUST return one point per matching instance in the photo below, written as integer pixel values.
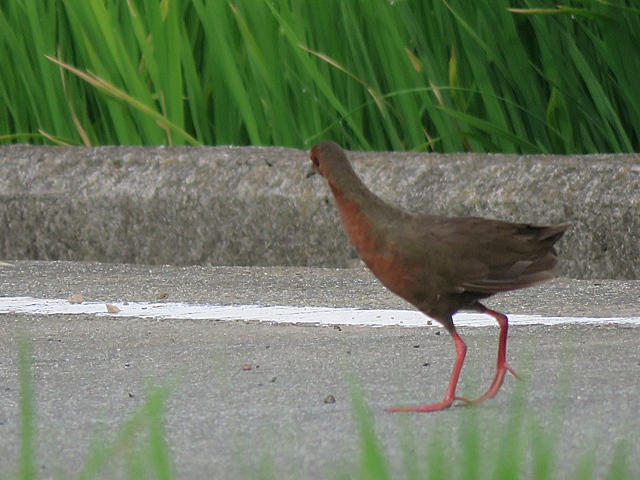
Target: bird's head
(329, 161)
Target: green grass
(521, 449)
(139, 449)
(485, 76)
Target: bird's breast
(379, 254)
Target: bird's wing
(484, 256)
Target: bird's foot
(511, 371)
(465, 401)
(430, 407)
(495, 385)
(448, 402)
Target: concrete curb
(253, 206)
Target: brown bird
(439, 264)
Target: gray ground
(583, 381)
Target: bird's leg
(501, 365)
(450, 396)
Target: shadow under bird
(439, 264)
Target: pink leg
(502, 366)
(450, 396)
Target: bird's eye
(316, 161)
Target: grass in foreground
(140, 450)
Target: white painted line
(278, 314)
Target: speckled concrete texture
(254, 206)
(242, 393)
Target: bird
(439, 264)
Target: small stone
(246, 367)
(329, 399)
(76, 298)
(112, 308)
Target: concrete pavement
(222, 419)
(252, 206)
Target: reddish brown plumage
(439, 264)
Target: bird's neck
(345, 184)
(362, 211)
(370, 223)
(352, 194)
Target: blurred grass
(522, 449)
(481, 448)
(484, 76)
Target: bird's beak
(310, 173)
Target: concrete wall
(254, 206)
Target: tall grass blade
(27, 464)
(373, 465)
(106, 87)
(155, 457)
(159, 452)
